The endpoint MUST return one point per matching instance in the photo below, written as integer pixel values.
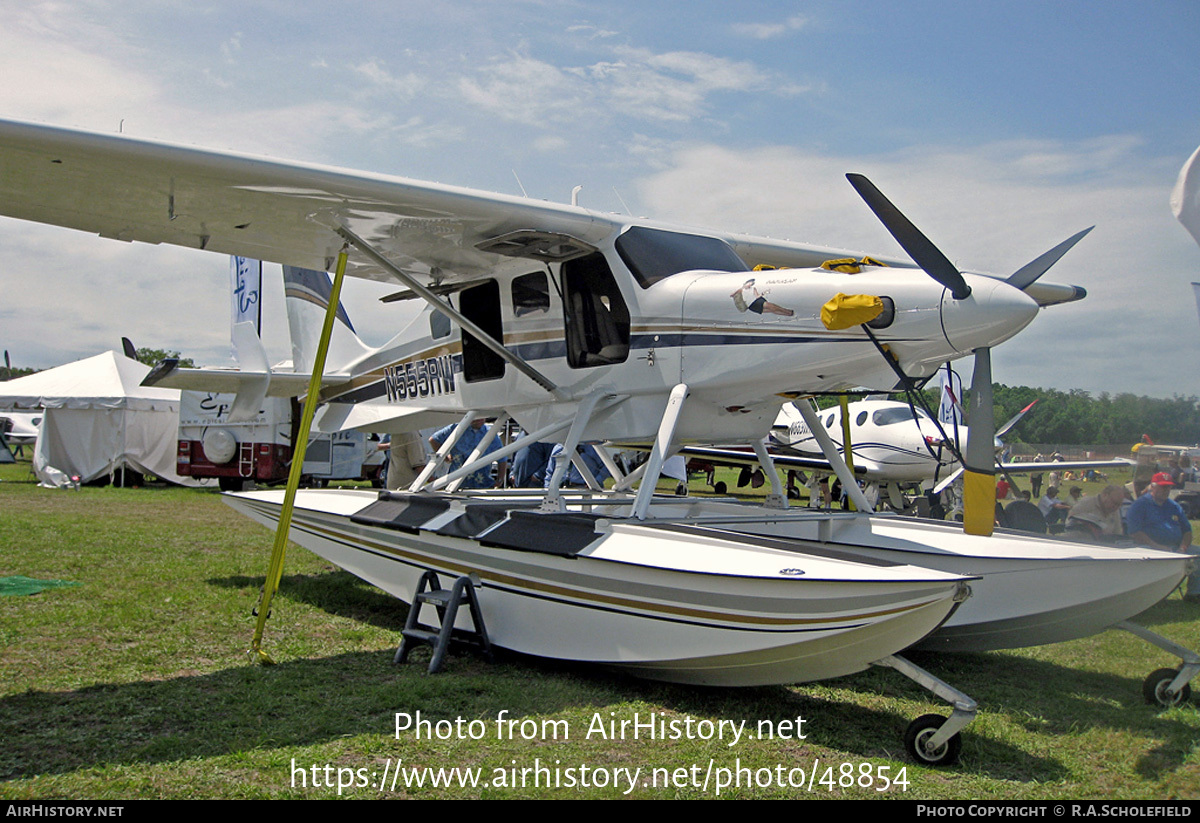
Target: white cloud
(674, 86)
(550, 142)
(770, 31)
(593, 32)
(525, 90)
(640, 84)
(56, 68)
(376, 73)
(232, 47)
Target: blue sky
(999, 128)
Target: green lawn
(136, 684)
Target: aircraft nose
(992, 313)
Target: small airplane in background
(891, 441)
(19, 428)
(895, 444)
(23, 428)
(582, 327)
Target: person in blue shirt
(481, 479)
(1157, 521)
(529, 465)
(573, 477)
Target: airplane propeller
(979, 460)
(1028, 274)
(919, 247)
(979, 488)
(930, 258)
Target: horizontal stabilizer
(168, 375)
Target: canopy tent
(98, 419)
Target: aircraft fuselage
(741, 340)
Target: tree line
(1075, 417)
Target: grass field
(136, 684)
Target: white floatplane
(659, 599)
(584, 327)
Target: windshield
(653, 254)
(886, 417)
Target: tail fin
(306, 294)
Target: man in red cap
(1156, 520)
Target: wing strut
(445, 308)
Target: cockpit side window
(595, 314)
(530, 294)
(886, 417)
(653, 254)
(439, 325)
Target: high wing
(153, 192)
(286, 213)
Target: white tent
(98, 418)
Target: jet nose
(993, 312)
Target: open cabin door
(595, 314)
(481, 305)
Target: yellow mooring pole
(275, 571)
(847, 446)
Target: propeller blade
(979, 477)
(919, 247)
(1028, 274)
(127, 346)
(1007, 427)
(949, 481)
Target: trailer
(259, 451)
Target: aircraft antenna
(624, 205)
(575, 195)
(523, 192)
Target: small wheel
(1155, 689)
(923, 728)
